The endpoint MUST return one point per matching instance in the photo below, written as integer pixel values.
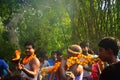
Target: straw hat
(75, 49)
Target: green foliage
(56, 24)
(6, 49)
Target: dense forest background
(56, 24)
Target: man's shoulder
(111, 72)
(115, 67)
(35, 60)
(2, 62)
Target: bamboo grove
(55, 24)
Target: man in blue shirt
(4, 69)
(52, 60)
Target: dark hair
(43, 54)
(110, 42)
(84, 44)
(59, 52)
(29, 43)
(53, 52)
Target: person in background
(30, 65)
(43, 59)
(97, 68)
(52, 60)
(44, 63)
(88, 68)
(56, 75)
(108, 49)
(4, 69)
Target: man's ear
(35, 49)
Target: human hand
(70, 75)
(20, 66)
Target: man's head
(85, 47)
(74, 50)
(29, 48)
(108, 47)
(43, 55)
(53, 55)
(59, 54)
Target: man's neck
(113, 60)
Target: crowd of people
(81, 63)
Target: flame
(17, 57)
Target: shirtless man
(76, 70)
(31, 64)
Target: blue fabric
(119, 55)
(77, 78)
(5, 73)
(51, 62)
(3, 65)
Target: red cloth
(95, 71)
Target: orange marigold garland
(80, 59)
(51, 68)
(27, 59)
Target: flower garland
(27, 59)
(51, 69)
(80, 59)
